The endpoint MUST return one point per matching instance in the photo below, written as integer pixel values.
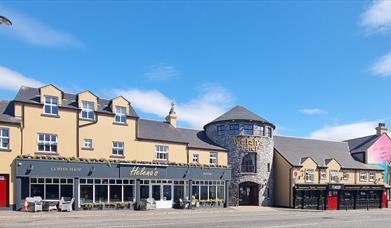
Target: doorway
(4, 191)
(249, 193)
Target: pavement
(228, 217)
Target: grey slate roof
(6, 112)
(31, 95)
(163, 131)
(362, 144)
(294, 149)
(198, 139)
(240, 113)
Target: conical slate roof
(240, 113)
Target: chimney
(171, 118)
(381, 129)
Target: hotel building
(55, 144)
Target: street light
(5, 21)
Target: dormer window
(120, 114)
(51, 105)
(87, 110)
(248, 129)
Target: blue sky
(315, 69)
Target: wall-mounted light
(222, 175)
(186, 172)
(30, 168)
(20, 164)
(91, 170)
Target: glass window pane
(220, 192)
(178, 192)
(52, 191)
(156, 192)
(115, 193)
(128, 193)
(167, 192)
(204, 192)
(101, 194)
(37, 190)
(67, 191)
(195, 192)
(86, 194)
(212, 192)
(144, 191)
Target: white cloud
(346, 131)
(161, 72)
(377, 17)
(383, 66)
(313, 111)
(35, 32)
(11, 80)
(212, 102)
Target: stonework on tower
(249, 141)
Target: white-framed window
(196, 158)
(372, 176)
(234, 129)
(120, 114)
(118, 148)
(323, 174)
(363, 176)
(309, 175)
(345, 174)
(47, 143)
(161, 152)
(4, 138)
(213, 158)
(87, 110)
(221, 130)
(333, 176)
(248, 129)
(87, 143)
(50, 106)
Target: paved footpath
(229, 217)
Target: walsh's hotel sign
(249, 144)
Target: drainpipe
(290, 187)
(77, 135)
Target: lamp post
(5, 21)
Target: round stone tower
(249, 141)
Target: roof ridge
(322, 140)
(359, 137)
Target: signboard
(336, 186)
(250, 144)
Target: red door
(384, 199)
(332, 200)
(3, 190)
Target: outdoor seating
(151, 204)
(34, 204)
(65, 204)
(50, 205)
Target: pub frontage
(118, 182)
(339, 196)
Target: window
(372, 176)
(234, 129)
(345, 175)
(258, 130)
(213, 158)
(269, 132)
(309, 175)
(221, 130)
(208, 190)
(87, 144)
(268, 167)
(195, 158)
(249, 161)
(51, 105)
(118, 148)
(47, 143)
(323, 174)
(333, 176)
(87, 110)
(4, 138)
(363, 176)
(248, 129)
(161, 152)
(120, 114)
(51, 188)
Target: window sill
(117, 156)
(247, 173)
(89, 120)
(86, 148)
(161, 161)
(50, 115)
(46, 153)
(120, 124)
(5, 150)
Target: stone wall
(264, 149)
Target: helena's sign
(250, 144)
(138, 171)
(65, 169)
